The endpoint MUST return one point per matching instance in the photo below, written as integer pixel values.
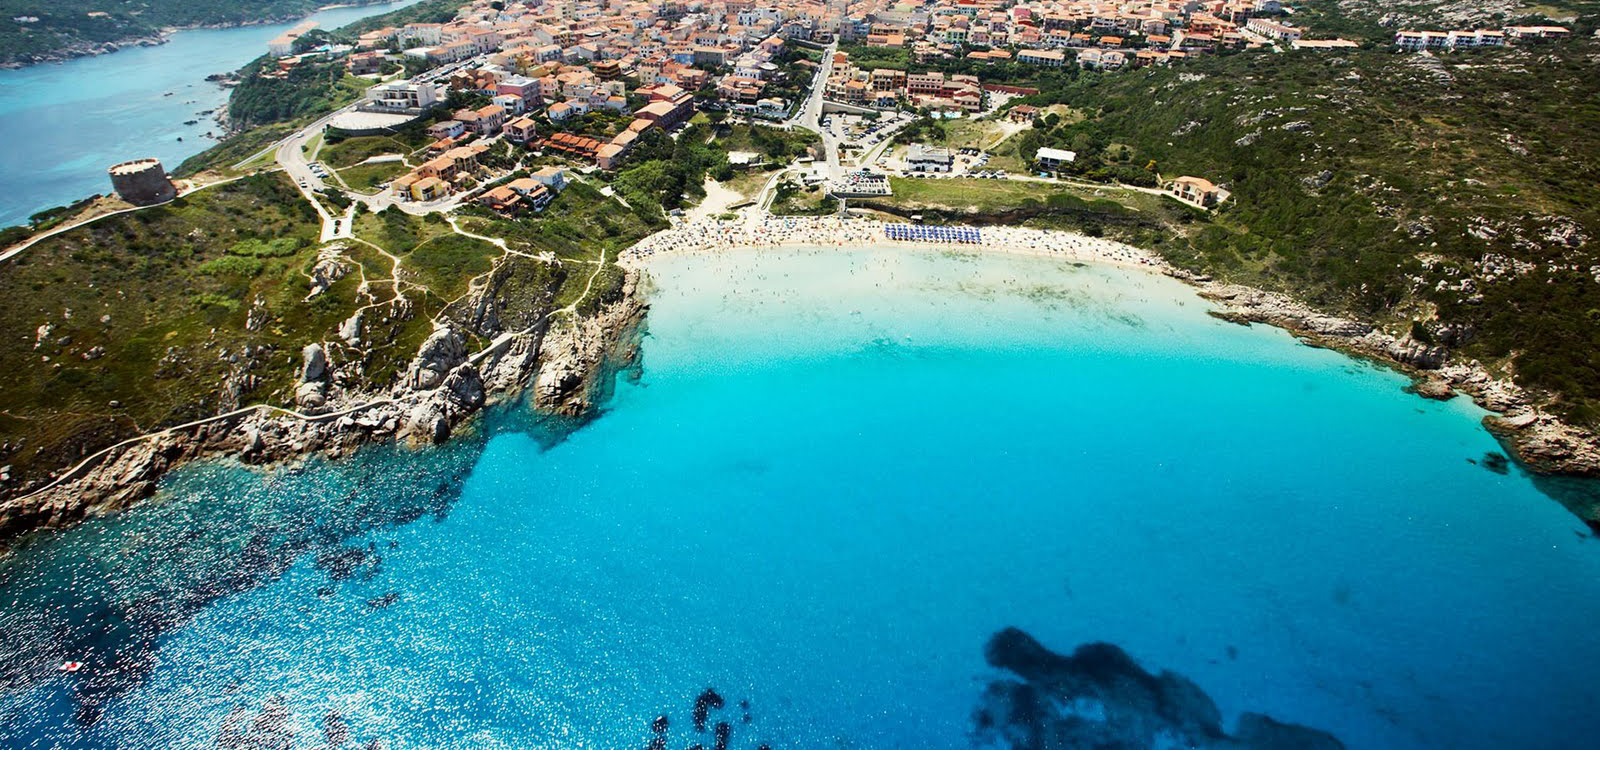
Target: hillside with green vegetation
(1377, 20)
(1454, 195)
(167, 314)
(262, 110)
(30, 29)
(310, 88)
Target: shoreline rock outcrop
(1541, 441)
(568, 365)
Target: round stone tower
(142, 182)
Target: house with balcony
(1193, 189)
(551, 176)
(522, 130)
(401, 97)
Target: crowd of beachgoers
(713, 236)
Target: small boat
(70, 666)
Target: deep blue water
(833, 479)
(68, 122)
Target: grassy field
(1152, 221)
(975, 195)
(773, 144)
(793, 200)
(397, 232)
(447, 262)
(749, 184)
(366, 177)
(579, 226)
(982, 134)
(351, 151)
(579, 223)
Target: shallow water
(835, 478)
(68, 122)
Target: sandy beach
(713, 236)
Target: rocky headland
(79, 49)
(557, 364)
(1539, 439)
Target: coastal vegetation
(447, 262)
(1376, 20)
(32, 29)
(263, 110)
(36, 30)
(367, 177)
(310, 88)
(580, 226)
(792, 198)
(163, 315)
(1451, 194)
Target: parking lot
(858, 134)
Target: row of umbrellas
(932, 234)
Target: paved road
(35, 240)
(290, 154)
(810, 115)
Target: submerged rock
(1100, 698)
(334, 731)
(703, 704)
(342, 564)
(272, 729)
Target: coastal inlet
(839, 477)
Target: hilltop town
(585, 82)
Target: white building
(1054, 158)
(551, 176)
(1273, 29)
(402, 97)
(925, 159)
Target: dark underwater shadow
(1100, 698)
(105, 593)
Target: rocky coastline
(1538, 439)
(563, 367)
(81, 48)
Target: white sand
(712, 236)
(717, 201)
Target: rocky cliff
(568, 360)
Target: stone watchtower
(142, 182)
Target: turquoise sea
(67, 122)
(833, 478)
